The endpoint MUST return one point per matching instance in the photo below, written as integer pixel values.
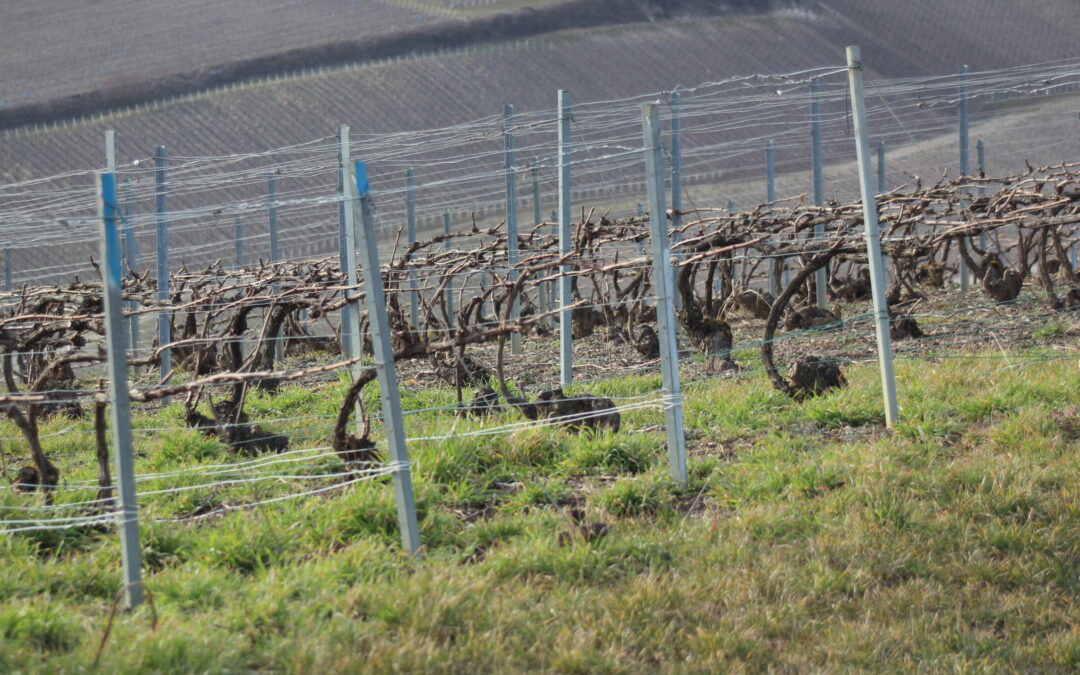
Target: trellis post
(116, 351)
(350, 319)
(962, 114)
(410, 231)
(566, 363)
(271, 200)
(386, 373)
(162, 232)
(676, 176)
(818, 171)
(511, 220)
(448, 297)
(665, 306)
(873, 239)
(770, 197)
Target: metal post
(881, 167)
(110, 150)
(511, 220)
(131, 255)
(980, 156)
(640, 210)
(566, 337)
(770, 197)
(384, 366)
(962, 113)
(881, 188)
(238, 232)
(665, 308)
(271, 200)
(161, 208)
(410, 227)
(116, 350)
(448, 303)
(7, 267)
(535, 172)
(873, 241)
(543, 289)
(818, 171)
(734, 264)
(676, 179)
(351, 345)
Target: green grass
(808, 538)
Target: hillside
(112, 54)
(611, 62)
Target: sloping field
(610, 63)
(121, 42)
(110, 55)
(441, 89)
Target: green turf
(808, 538)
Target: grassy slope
(807, 538)
(120, 41)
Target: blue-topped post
(384, 366)
(116, 351)
(161, 211)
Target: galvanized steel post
(116, 351)
(161, 209)
(410, 231)
(665, 306)
(881, 167)
(350, 319)
(131, 254)
(384, 366)
(770, 197)
(238, 234)
(511, 220)
(7, 267)
(873, 240)
(566, 363)
(543, 287)
(676, 178)
(448, 304)
(980, 156)
(962, 113)
(818, 175)
(351, 340)
(271, 200)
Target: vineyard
(554, 411)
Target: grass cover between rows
(808, 538)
